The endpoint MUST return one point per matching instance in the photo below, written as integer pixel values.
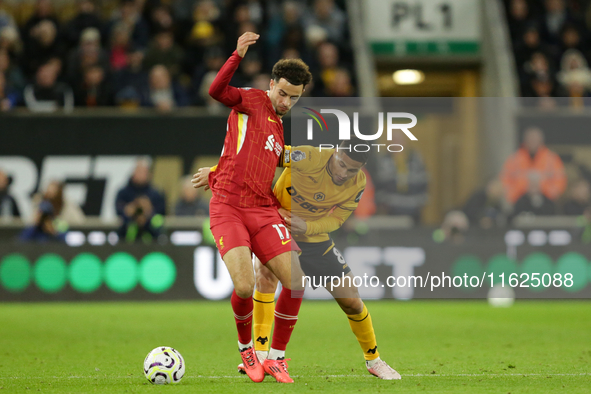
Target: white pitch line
(418, 375)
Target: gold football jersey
(306, 188)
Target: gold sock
(362, 327)
(263, 315)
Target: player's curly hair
(295, 71)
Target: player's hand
(200, 179)
(284, 213)
(246, 40)
(296, 225)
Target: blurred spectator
(330, 18)
(328, 62)
(161, 19)
(570, 38)
(454, 227)
(86, 17)
(130, 15)
(14, 76)
(518, 14)
(250, 67)
(190, 202)
(555, 17)
(8, 97)
(262, 82)
(88, 54)
(540, 92)
(290, 53)
(341, 85)
(53, 215)
(575, 75)
(164, 94)
(165, 52)
(537, 66)
(214, 60)
(47, 94)
(6, 20)
(43, 228)
(132, 82)
(10, 41)
(8, 206)
(529, 43)
(212, 105)
(140, 206)
(534, 202)
(94, 90)
(533, 157)
(580, 198)
(367, 204)
(183, 9)
(240, 18)
(120, 47)
(400, 180)
(66, 212)
(43, 45)
(279, 25)
(43, 12)
(487, 207)
(203, 32)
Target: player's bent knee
(266, 283)
(351, 306)
(244, 289)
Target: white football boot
(382, 370)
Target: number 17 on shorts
(283, 233)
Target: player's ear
(271, 84)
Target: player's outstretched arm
(220, 88)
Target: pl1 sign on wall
(423, 27)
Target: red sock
(286, 316)
(242, 308)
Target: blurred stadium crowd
(160, 53)
(552, 47)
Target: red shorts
(260, 228)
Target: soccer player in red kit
(243, 209)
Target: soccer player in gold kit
(318, 191)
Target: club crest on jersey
(271, 145)
(319, 196)
(298, 155)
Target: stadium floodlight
(408, 77)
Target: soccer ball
(164, 365)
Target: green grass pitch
(437, 346)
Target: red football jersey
(253, 145)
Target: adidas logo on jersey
(271, 145)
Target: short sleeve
(286, 162)
(304, 157)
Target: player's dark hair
(348, 147)
(295, 71)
